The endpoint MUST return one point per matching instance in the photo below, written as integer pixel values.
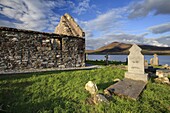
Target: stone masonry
(25, 49)
(69, 27)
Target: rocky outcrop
(67, 26)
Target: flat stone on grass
(128, 88)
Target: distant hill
(123, 48)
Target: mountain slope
(123, 48)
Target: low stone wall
(24, 49)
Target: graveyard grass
(64, 92)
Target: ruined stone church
(26, 49)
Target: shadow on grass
(152, 78)
(57, 104)
(105, 85)
(12, 93)
(17, 84)
(14, 98)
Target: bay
(163, 59)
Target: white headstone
(136, 70)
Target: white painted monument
(136, 69)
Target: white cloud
(145, 7)
(156, 43)
(33, 15)
(165, 40)
(82, 7)
(162, 28)
(38, 14)
(104, 23)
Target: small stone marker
(135, 79)
(154, 61)
(136, 69)
(146, 64)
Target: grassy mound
(64, 92)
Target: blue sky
(104, 21)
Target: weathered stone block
(162, 72)
(136, 76)
(61, 66)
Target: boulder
(165, 66)
(96, 99)
(163, 80)
(91, 87)
(99, 98)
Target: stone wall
(24, 49)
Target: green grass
(64, 92)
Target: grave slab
(128, 88)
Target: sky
(103, 21)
